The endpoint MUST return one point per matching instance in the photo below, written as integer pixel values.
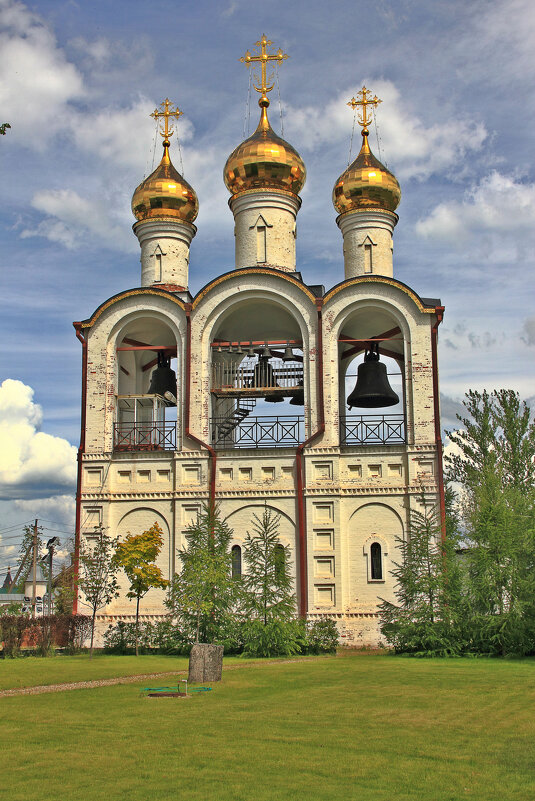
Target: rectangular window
(163, 475)
(225, 474)
(394, 470)
(143, 476)
(93, 476)
(268, 474)
(375, 471)
(354, 470)
(124, 477)
(261, 248)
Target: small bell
(265, 352)
(251, 352)
(239, 349)
(288, 355)
(299, 398)
(372, 389)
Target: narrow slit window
(236, 561)
(376, 562)
(368, 266)
(261, 245)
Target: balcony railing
(258, 432)
(144, 436)
(380, 429)
(276, 376)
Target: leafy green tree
(136, 556)
(98, 577)
(495, 469)
(268, 585)
(3, 128)
(427, 588)
(203, 594)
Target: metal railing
(275, 374)
(259, 432)
(144, 436)
(380, 429)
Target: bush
(278, 638)
(12, 629)
(322, 637)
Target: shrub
(322, 637)
(12, 629)
(278, 638)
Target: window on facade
(236, 561)
(376, 562)
(280, 559)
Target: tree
(98, 577)
(136, 555)
(427, 588)
(3, 128)
(268, 585)
(203, 593)
(495, 469)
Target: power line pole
(34, 592)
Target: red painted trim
(211, 451)
(436, 407)
(81, 449)
(299, 469)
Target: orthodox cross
(263, 58)
(364, 100)
(166, 112)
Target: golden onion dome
(264, 161)
(366, 184)
(165, 193)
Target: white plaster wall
(276, 212)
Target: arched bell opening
(147, 387)
(372, 379)
(258, 377)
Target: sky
(78, 82)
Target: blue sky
(77, 84)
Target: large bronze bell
(263, 376)
(163, 379)
(372, 389)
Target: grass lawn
(352, 727)
(33, 670)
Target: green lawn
(353, 727)
(33, 670)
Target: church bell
(163, 379)
(265, 377)
(372, 389)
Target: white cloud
(38, 82)
(72, 219)
(413, 150)
(32, 463)
(528, 330)
(58, 509)
(499, 207)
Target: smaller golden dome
(165, 193)
(366, 184)
(264, 161)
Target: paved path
(87, 685)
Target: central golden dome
(165, 193)
(366, 184)
(264, 161)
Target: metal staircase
(226, 425)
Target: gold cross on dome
(364, 101)
(263, 57)
(166, 113)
